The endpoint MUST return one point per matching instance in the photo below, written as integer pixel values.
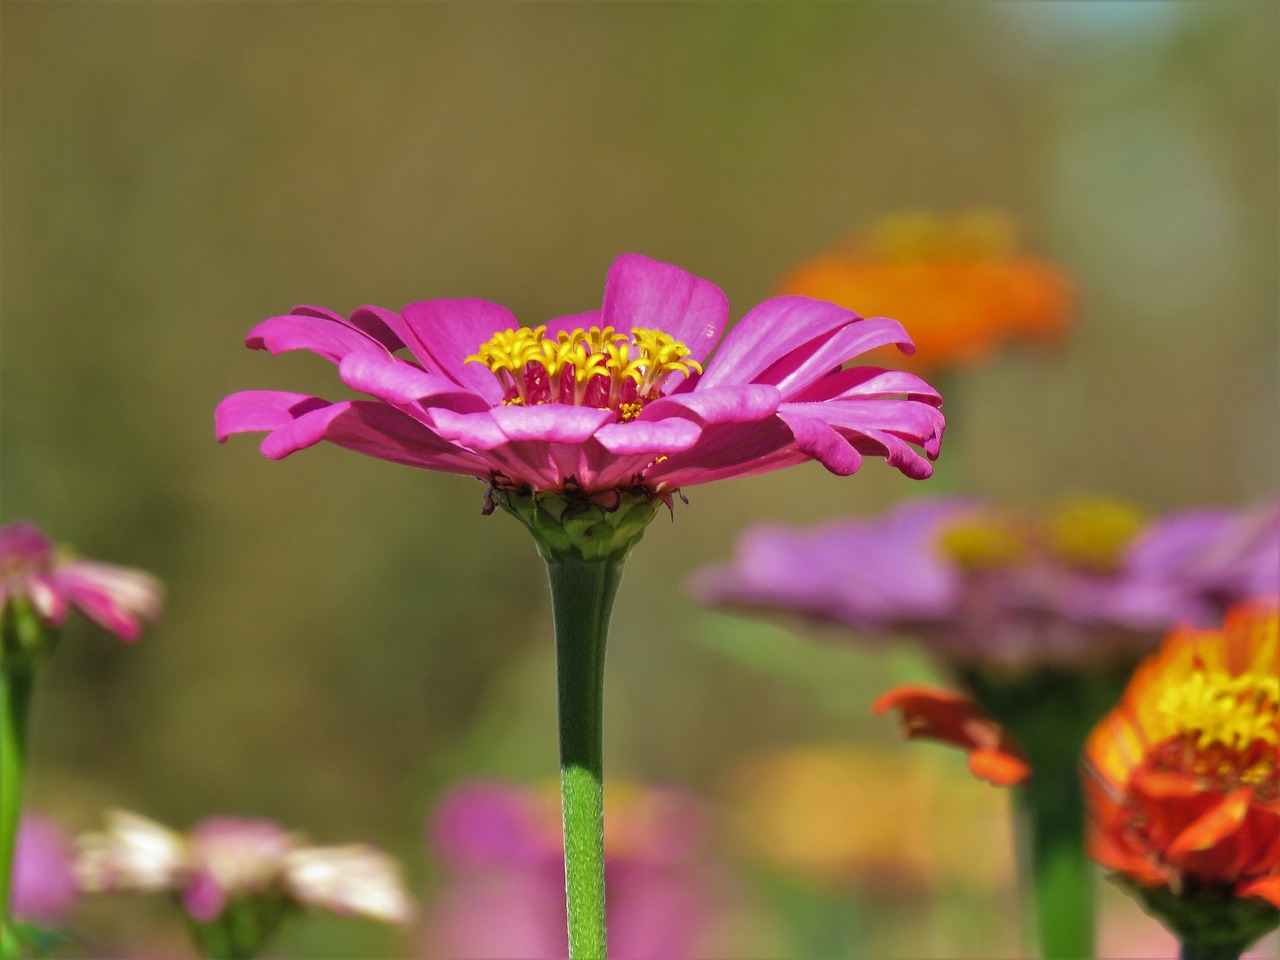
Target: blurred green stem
(16, 682)
(582, 594)
(1056, 869)
(1211, 951)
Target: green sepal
(1208, 919)
(25, 639)
(571, 526)
(34, 940)
(243, 929)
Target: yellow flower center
(1212, 707)
(596, 367)
(987, 541)
(1092, 532)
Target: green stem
(16, 683)
(1051, 810)
(582, 593)
(1211, 951)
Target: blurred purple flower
(228, 858)
(609, 399)
(980, 584)
(505, 896)
(118, 599)
(44, 884)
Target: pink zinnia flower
(621, 397)
(51, 580)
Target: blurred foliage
(344, 636)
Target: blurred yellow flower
(863, 816)
(956, 284)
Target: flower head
(50, 581)
(505, 895)
(627, 396)
(1084, 581)
(225, 861)
(956, 283)
(44, 886)
(1184, 774)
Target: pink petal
(118, 599)
(368, 320)
(771, 331)
(332, 341)
(729, 450)
(48, 597)
(868, 383)
(376, 322)
(253, 410)
(204, 897)
(817, 439)
(745, 403)
(443, 333)
(642, 436)
(640, 292)
(22, 544)
(399, 382)
(375, 430)
(801, 367)
(555, 422)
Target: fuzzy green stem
(16, 684)
(1051, 808)
(1211, 951)
(582, 594)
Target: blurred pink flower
(985, 585)
(44, 884)
(225, 858)
(609, 399)
(505, 895)
(118, 599)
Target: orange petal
(997, 767)
(1162, 785)
(1212, 826)
(1268, 888)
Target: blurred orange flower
(955, 283)
(1184, 778)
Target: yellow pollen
(1092, 532)
(988, 541)
(608, 369)
(1217, 708)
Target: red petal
(1268, 888)
(1212, 827)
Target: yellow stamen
(1216, 708)
(610, 369)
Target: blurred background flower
(957, 283)
(44, 884)
(174, 172)
(504, 892)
